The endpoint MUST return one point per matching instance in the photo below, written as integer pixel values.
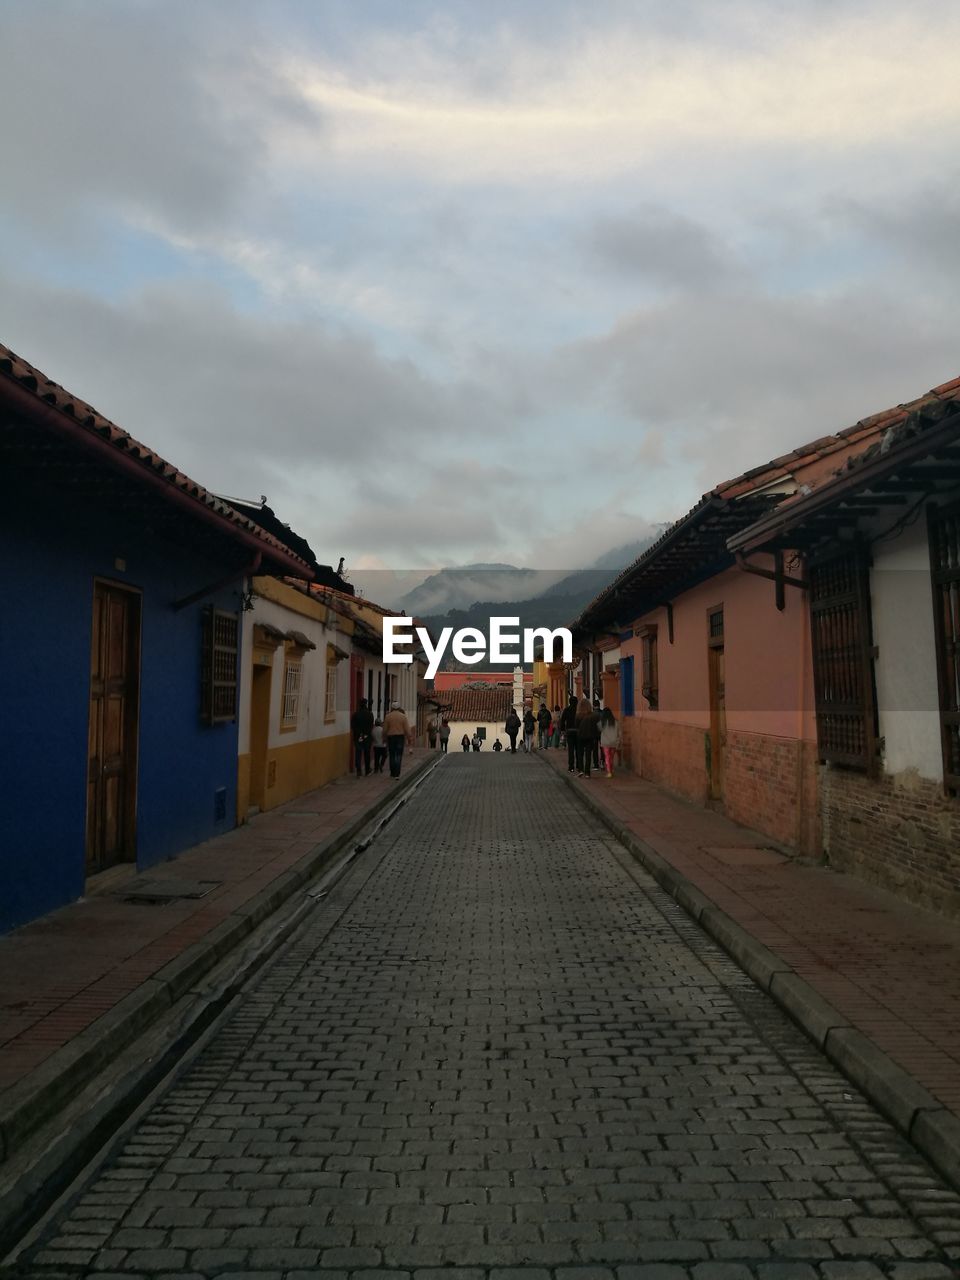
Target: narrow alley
(498, 1044)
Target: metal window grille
(651, 674)
(292, 680)
(842, 643)
(715, 626)
(220, 648)
(945, 575)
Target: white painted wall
(906, 666)
(494, 730)
(311, 722)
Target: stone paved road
(498, 1045)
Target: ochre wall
(299, 767)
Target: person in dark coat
(588, 736)
(529, 727)
(361, 726)
(543, 723)
(512, 728)
(568, 727)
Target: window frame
(650, 666)
(846, 665)
(292, 670)
(217, 657)
(330, 687)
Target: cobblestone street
(498, 1044)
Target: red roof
(88, 427)
(479, 706)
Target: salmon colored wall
(770, 771)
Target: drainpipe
(26, 402)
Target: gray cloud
(115, 105)
(661, 246)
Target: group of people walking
(592, 736)
(385, 738)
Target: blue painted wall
(49, 557)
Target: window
(330, 695)
(626, 685)
(945, 576)
(290, 703)
(482, 732)
(219, 650)
(841, 635)
(715, 627)
(650, 686)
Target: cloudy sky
(456, 281)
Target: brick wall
(898, 831)
(771, 784)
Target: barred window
(290, 705)
(945, 575)
(330, 700)
(220, 648)
(842, 642)
(651, 675)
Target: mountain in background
(546, 598)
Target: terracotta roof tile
(51, 393)
(479, 706)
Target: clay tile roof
(479, 706)
(51, 394)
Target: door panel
(113, 727)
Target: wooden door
(113, 727)
(259, 732)
(718, 721)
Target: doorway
(259, 729)
(113, 728)
(718, 721)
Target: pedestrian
(444, 736)
(379, 746)
(543, 724)
(497, 744)
(475, 742)
(596, 746)
(529, 728)
(588, 735)
(465, 742)
(432, 734)
(568, 727)
(555, 726)
(609, 738)
(397, 731)
(512, 728)
(361, 726)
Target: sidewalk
(875, 981)
(71, 978)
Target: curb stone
(36, 1099)
(932, 1129)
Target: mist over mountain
(538, 597)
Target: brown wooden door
(114, 715)
(718, 721)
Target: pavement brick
(498, 1049)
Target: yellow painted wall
(298, 768)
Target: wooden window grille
(841, 633)
(220, 649)
(330, 701)
(715, 627)
(292, 683)
(651, 674)
(945, 575)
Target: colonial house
(124, 582)
(878, 546)
(707, 651)
(483, 710)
